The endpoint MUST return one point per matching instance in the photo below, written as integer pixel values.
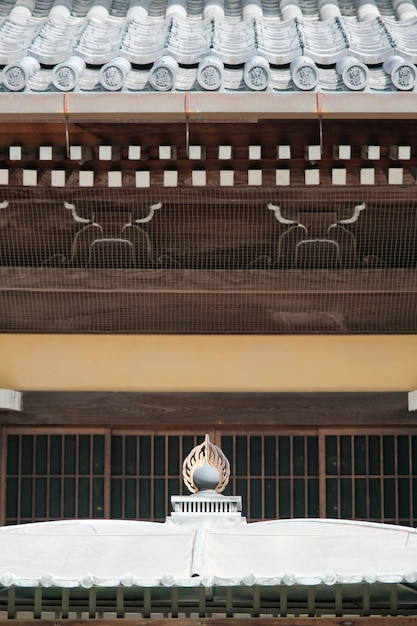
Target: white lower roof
(83, 553)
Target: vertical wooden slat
(381, 477)
(62, 477)
(247, 476)
(366, 600)
(147, 599)
(338, 476)
(256, 601)
(166, 472)
(3, 474)
(48, 475)
(152, 477)
(201, 602)
(174, 602)
(107, 474)
(19, 482)
(262, 477)
(277, 508)
(92, 602)
(311, 602)
(338, 600)
(77, 476)
(283, 600)
(11, 603)
(367, 476)
(393, 599)
(34, 476)
(322, 474)
(291, 455)
(229, 601)
(353, 475)
(65, 602)
(410, 480)
(37, 605)
(91, 476)
(120, 602)
(305, 472)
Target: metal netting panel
(211, 260)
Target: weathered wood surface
(262, 282)
(268, 133)
(185, 301)
(206, 228)
(199, 411)
(204, 621)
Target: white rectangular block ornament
(284, 152)
(58, 178)
(227, 178)
(255, 177)
(400, 153)
(171, 178)
(134, 153)
(367, 176)
(225, 152)
(4, 177)
(143, 179)
(395, 175)
(30, 178)
(114, 179)
(254, 153)
(282, 177)
(198, 178)
(342, 152)
(45, 153)
(312, 177)
(86, 178)
(339, 176)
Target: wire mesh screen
(213, 260)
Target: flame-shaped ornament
(205, 468)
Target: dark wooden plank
(220, 312)
(204, 621)
(268, 133)
(200, 411)
(178, 281)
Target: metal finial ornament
(206, 468)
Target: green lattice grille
(367, 476)
(54, 476)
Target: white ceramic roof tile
(404, 34)
(55, 42)
(144, 42)
(189, 40)
(324, 42)
(99, 43)
(278, 41)
(234, 42)
(141, 31)
(80, 8)
(369, 41)
(15, 40)
(42, 8)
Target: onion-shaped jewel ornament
(206, 468)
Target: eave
(205, 106)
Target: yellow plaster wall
(208, 363)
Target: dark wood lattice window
(366, 475)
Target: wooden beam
(205, 621)
(196, 301)
(198, 411)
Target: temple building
(208, 225)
